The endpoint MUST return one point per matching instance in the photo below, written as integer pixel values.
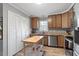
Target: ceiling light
(38, 3)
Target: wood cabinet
(58, 21)
(65, 20)
(45, 40)
(70, 18)
(61, 20)
(51, 22)
(34, 22)
(60, 41)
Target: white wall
(76, 9)
(17, 31)
(25, 19)
(1, 41)
(76, 20)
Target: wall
(1, 50)
(1, 41)
(76, 18)
(76, 22)
(1, 9)
(6, 8)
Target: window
(43, 25)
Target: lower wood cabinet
(45, 40)
(61, 41)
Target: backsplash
(56, 30)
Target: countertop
(51, 33)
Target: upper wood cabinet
(65, 20)
(34, 22)
(51, 22)
(54, 21)
(70, 18)
(58, 21)
(61, 20)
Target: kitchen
(48, 29)
(54, 29)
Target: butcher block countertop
(33, 39)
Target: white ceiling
(32, 9)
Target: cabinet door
(51, 22)
(45, 40)
(60, 41)
(34, 22)
(58, 21)
(70, 18)
(65, 20)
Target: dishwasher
(52, 41)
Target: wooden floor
(54, 51)
(49, 51)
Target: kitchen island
(32, 41)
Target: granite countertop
(51, 33)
